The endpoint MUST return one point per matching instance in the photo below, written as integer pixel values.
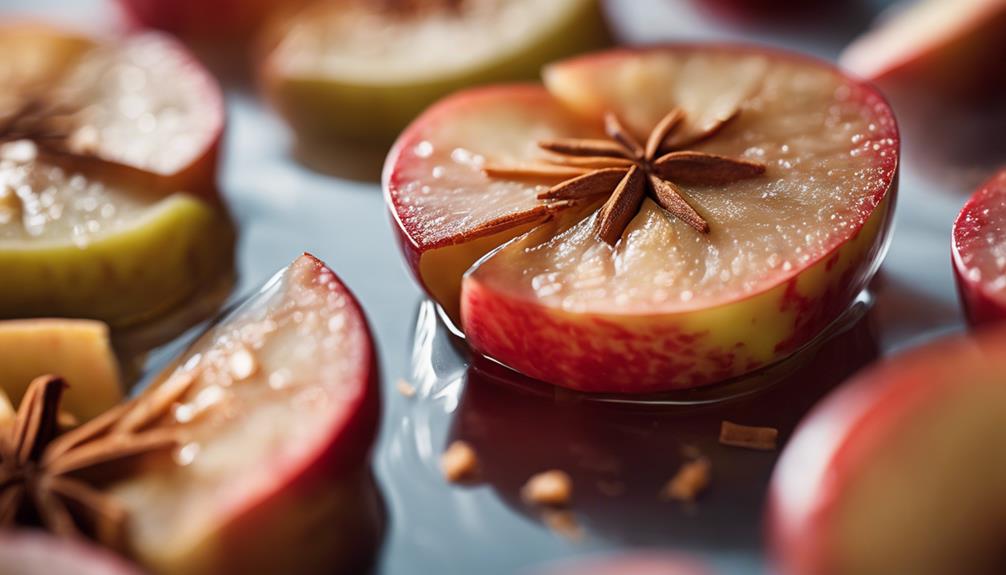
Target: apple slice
(361, 71)
(77, 350)
(924, 48)
(279, 412)
(897, 471)
(34, 553)
(107, 163)
(790, 241)
(979, 253)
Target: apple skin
(838, 437)
(981, 307)
(328, 110)
(320, 514)
(219, 20)
(24, 552)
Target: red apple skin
(321, 515)
(27, 552)
(839, 435)
(220, 20)
(981, 307)
(661, 355)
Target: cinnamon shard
(705, 169)
(581, 147)
(621, 207)
(534, 172)
(459, 462)
(689, 482)
(760, 438)
(537, 214)
(552, 488)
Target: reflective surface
(284, 208)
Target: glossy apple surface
(979, 253)
(25, 552)
(108, 161)
(899, 470)
(273, 475)
(356, 71)
(666, 308)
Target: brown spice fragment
(690, 481)
(552, 488)
(459, 462)
(761, 438)
(563, 523)
(405, 388)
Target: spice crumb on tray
(459, 462)
(760, 438)
(405, 388)
(552, 488)
(689, 482)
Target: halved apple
(108, 206)
(36, 553)
(667, 306)
(979, 253)
(900, 470)
(360, 71)
(279, 413)
(79, 351)
(925, 48)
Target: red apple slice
(928, 47)
(899, 471)
(33, 553)
(279, 418)
(666, 307)
(979, 253)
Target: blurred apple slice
(900, 470)
(78, 350)
(355, 70)
(107, 164)
(36, 553)
(666, 307)
(922, 48)
(979, 253)
(279, 411)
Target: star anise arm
(616, 213)
(590, 162)
(584, 147)
(672, 200)
(616, 131)
(54, 513)
(107, 516)
(663, 129)
(590, 184)
(155, 403)
(11, 496)
(112, 448)
(36, 421)
(537, 214)
(84, 433)
(535, 172)
(705, 169)
(685, 138)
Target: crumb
(563, 523)
(690, 480)
(405, 388)
(459, 462)
(610, 488)
(763, 438)
(554, 488)
(690, 451)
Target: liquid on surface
(271, 382)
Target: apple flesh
(353, 71)
(131, 180)
(78, 350)
(897, 471)
(666, 308)
(273, 477)
(36, 553)
(979, 253)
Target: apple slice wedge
(979, 253)
(279, 412)
(360, 70)
(666, 306)
(35, 553)
(107, 163)
(899, 471)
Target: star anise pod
(629, 171)
(40, 121)
(44, 474)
